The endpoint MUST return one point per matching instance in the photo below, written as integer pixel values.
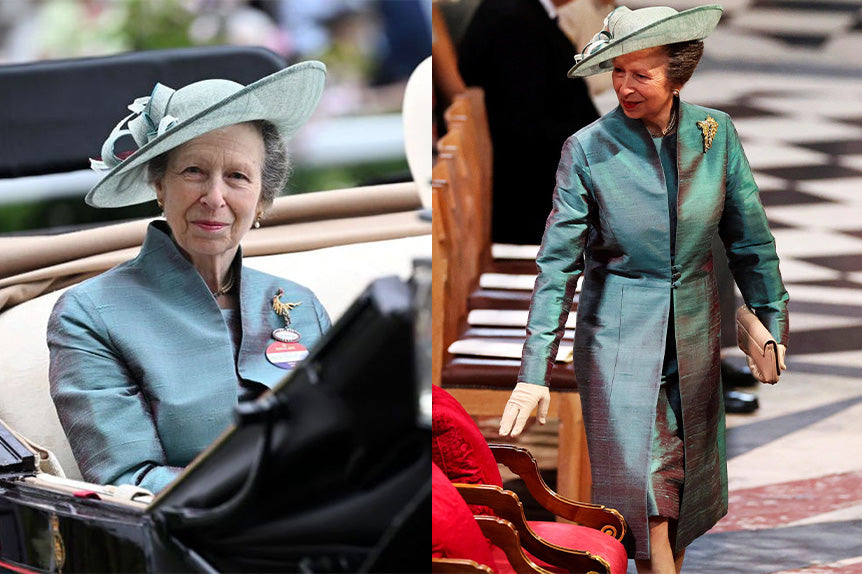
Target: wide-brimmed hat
(628, 31)
(168, 118)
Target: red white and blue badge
(285, 355)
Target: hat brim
(286, 98)
(693, 24)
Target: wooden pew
(462, 184)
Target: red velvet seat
(463, 455)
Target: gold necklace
(225, 289)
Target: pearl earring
(257, 223)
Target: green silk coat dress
(142, 368)
(610, 223)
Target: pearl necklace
(225, 289)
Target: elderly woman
(149, 359)
(640, 194)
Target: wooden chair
(500, 533)
(591, 543)
(464, 543)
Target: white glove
(523, 400)
(756, 372)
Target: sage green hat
(628, 31)
(168, 118)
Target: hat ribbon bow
(598, 41)
(145, 123)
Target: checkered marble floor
(795, 466)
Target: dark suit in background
(520, 57)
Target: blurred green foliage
(158, 25)
(71, 29)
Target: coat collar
(689, 136)
(176, 280)
(171, 280)
(689, 115)
(165, 264)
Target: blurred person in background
(516, 52)
(372, 43)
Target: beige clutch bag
(757, 342)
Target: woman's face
(211, 190)
(642, 87)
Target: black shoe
(739, 402)
(734, 377)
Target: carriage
(328, 473)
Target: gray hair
(682, 59)
(276, 163)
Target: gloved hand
(523, 400)
(756, 372)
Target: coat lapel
(258, 322)
(701, 183)
(689, 150)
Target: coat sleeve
(322, 316)
(749, 244)
(560, 263)
(103, 410)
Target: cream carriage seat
(334, 242)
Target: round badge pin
(285, 355)
(286, 335)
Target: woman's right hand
(523, 400)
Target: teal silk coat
(610, 223)
(142, 366)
